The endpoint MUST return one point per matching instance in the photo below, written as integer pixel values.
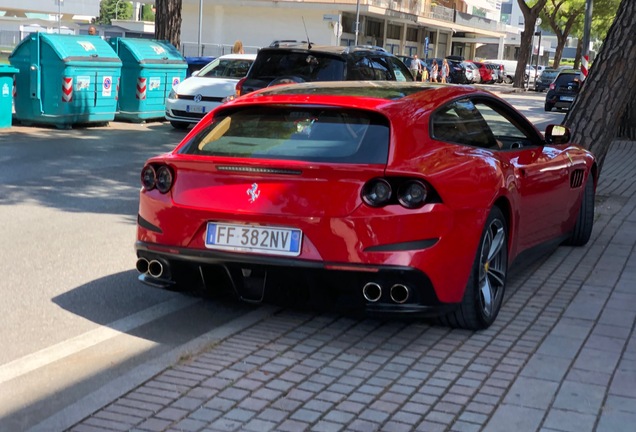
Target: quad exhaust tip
(399, 293)
(372, 292)
(142, 265)
(153, 267)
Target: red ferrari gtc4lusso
(389, 197)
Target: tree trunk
(168, 21)
(530, 15)
(602, 102)
(558, 52)
(579, 53)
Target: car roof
(331, 49)
(382, 96)
(238, 56)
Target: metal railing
(191, 49)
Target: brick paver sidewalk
(560, 357)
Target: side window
(361, 70)
(381, 69)
(506, 133)
(460, 122)
(400, 71)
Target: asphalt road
(74, 316)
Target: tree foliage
(561, 16)
(608, 90)
(566, 18)
(148, 13)
(168, 21)
(114, 9)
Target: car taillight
(148, 177)
(239, 86)
(160, 178)
(377, 192)
(552, 86)
(411, 193)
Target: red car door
(541, 176)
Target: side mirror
(557, 134)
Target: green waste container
(65, 79)
(7, 74)
(150, 68)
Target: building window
(374, 28)
(348, 23)
(411, 34)
(393, 31)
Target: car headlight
(173, 94)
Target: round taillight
(164, 179)
(376, 193)
(148, 177)
(412, 194)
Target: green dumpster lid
(70, 48)
(149, 51)
(7, 69)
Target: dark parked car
(308, 63)
(547, 77)
(407, 62)
(457, 70)
(563, 90)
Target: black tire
(548, 106)
(286, 80)
(487, 282)
(585, 220)
(179, 125)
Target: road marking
(46, 356)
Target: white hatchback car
(197, 95)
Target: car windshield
(308, 66)
(226, 68)
(314, 134)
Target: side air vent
(576, 180)
(258, 170)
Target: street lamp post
(117, 9)
(357, 21)
(536, 69)
(59, 16)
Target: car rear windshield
(226, 68)
(308, 66)
(313, 134)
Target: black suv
(306, 62)
(563, 90)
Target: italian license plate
(195, 108)
(567, 98)
(258, 239)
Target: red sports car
(389, 197)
